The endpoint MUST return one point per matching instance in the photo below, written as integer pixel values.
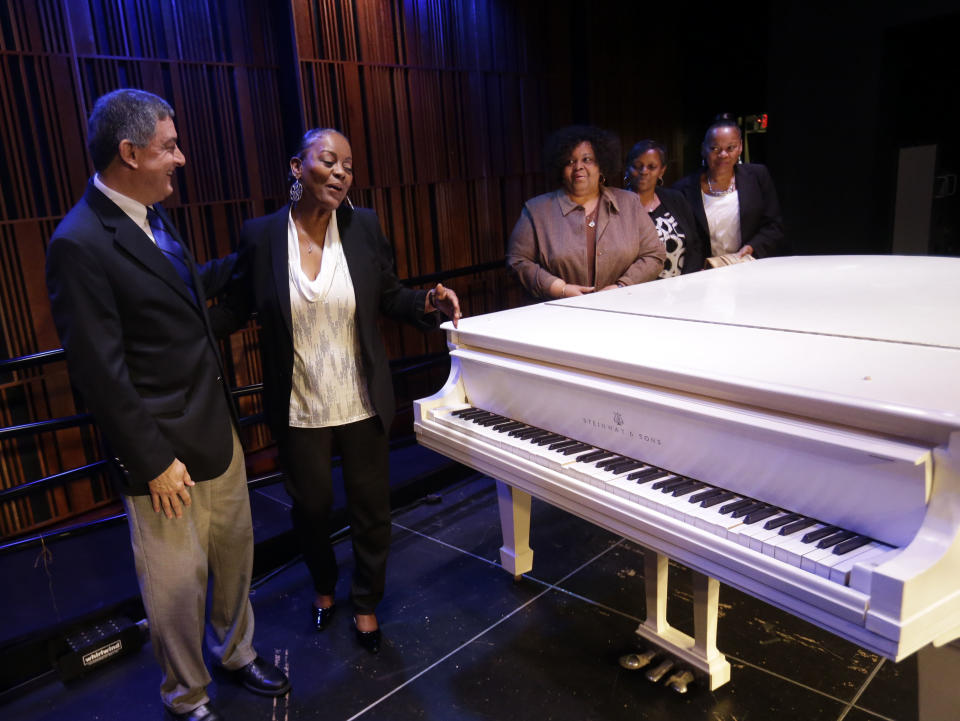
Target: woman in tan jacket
(584, 236)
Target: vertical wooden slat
(446, 103)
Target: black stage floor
(464, 642)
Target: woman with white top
(735, 204)
(319, 273)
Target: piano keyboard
(822, 549)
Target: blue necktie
(171, 249)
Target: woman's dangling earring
(296, 190)
(348, 201)
(603, 180)
(660, 180)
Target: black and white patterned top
(673, 239)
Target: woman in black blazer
(319, 273)
(668, 209)
(735, 205)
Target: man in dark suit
(128, 302)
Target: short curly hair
(559, 146)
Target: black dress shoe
(370, 640)
(323, 616)
(263, 678)
(203, 712)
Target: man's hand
(745, 250)
(169, 490)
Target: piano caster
(636, 661)
(657, 673)
(680, 681)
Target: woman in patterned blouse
(668, 209)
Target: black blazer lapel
(748, 195)
(276, 232)
(134, 241)
(358, 259)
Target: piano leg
(938, 669)
(515, 553)
(700, 652)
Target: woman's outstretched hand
(445, 300)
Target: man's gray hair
(124, 114)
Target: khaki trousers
(174, 559)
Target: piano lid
(900, 299)
(871, 342)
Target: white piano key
(793, 550)
(486, 433)
(741, 533)
(554, 459)
(643, 493)
(711, 519)
(825, 564)
(815, 556)
(674, 506)
(788, 549)
(755, 534)
(840, 571)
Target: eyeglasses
(716, 149)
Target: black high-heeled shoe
(369, 640)
(323, 616)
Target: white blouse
(723, 219)
(329, 385)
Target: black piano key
(461, 411)
(504, 427)
(673, 483)
(669, 478)
(795, 526)
(736, 505)
(552, 438)
(605, 463)
(526, 432)
(540, 433)
(689, 487)
(703, 495)
(719, 498)
(493, 420)
(741, 512)
(629, 465)
(593, 456)
(815, 536)
(517, 431)
(473, 413)
(760, 514)
(559, 445)
(852, 545)
(579, 448)
(782, 521)
(648, 474)
(836, 538)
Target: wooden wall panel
(449, 125)
(215, 61)
(446, 103)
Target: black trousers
(306, 456)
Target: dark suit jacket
(676, 203)
(139, 349)
(761, 224)
(261, 284)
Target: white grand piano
(789, 427)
